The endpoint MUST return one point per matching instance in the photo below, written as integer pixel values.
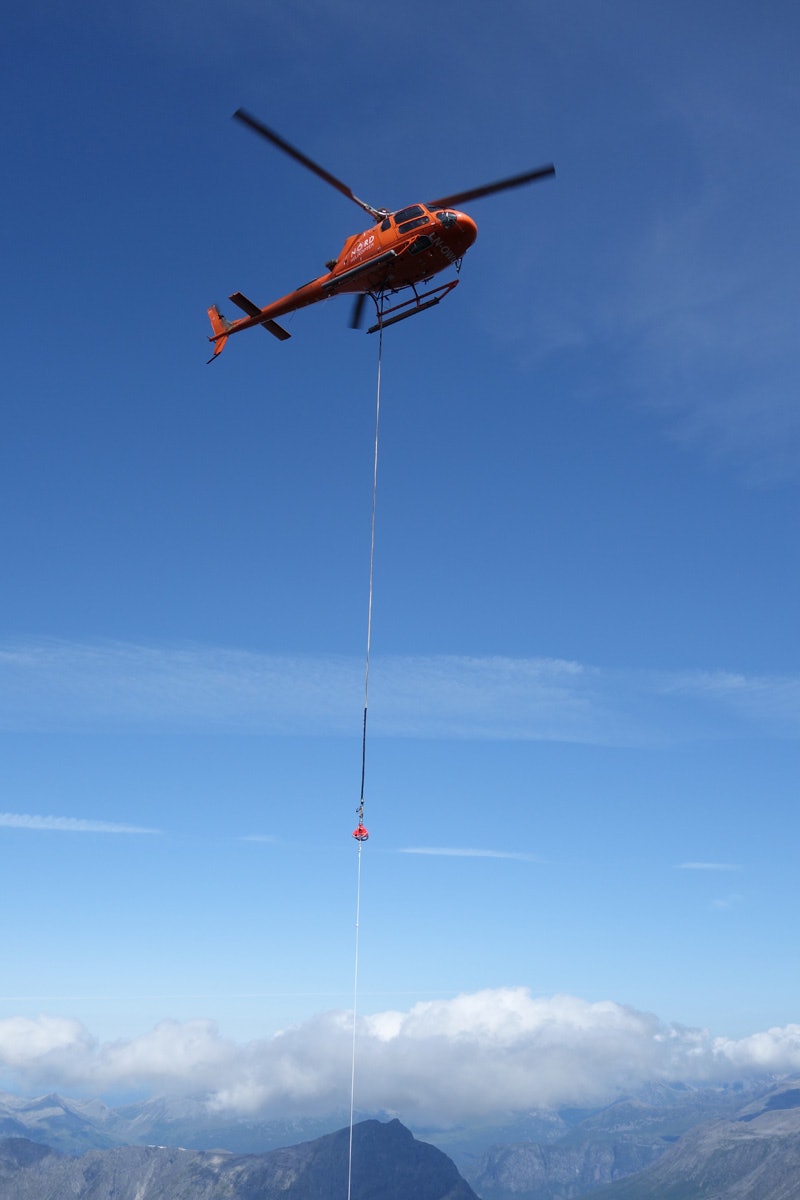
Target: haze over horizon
(584, 715)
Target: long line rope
(361, 839)
(353, 1065)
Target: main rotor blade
(489, 188)
(358, 311)
(298, 156)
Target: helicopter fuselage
(424, 242)
(403, 249)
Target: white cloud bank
(489, 1052)
(54, 686)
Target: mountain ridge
(664, 1132)
(388, 1162)
(755, 1154)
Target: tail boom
(222, 327)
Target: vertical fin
(220, 326)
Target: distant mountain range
(388, 1163)
(75, 1126)
(671, 1143)
(754, 1156)
(667, 1142)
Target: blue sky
(585, 690)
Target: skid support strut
(409, 308)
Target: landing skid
(417, 305)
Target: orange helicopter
(402, 250)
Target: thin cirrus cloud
(55, 685)
(707, 866)
(37, 823)
(455, 852)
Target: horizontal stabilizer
(276, 330)
(245, 305)
(253, 310)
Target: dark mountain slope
(755, 1157)
(604, 1146)
(388, 1164)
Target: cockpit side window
(406, 214)
(404, 228)
(410, 218)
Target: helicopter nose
(468, 228)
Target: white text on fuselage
(443, 246)
(366, 244)
(362, 246)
